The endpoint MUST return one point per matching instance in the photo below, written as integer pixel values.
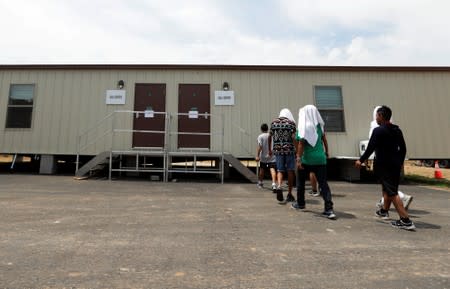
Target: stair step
(246, 172)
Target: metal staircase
(237, 164)
(165, 160)
(101, 158)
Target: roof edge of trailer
(222, 67)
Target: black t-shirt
(389, 145)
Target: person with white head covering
(312, 153)
(282, 130)
(406, 199)
(287, 114)
(311, 121)
(373, 123)
(308, 119)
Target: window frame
(20, 106)
(341, 109)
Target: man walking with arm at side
(390, 150)
(406, 199)
(265, 161)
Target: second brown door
(194, 97)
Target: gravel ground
(57, 232)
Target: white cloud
(320, 32)
(384, 32)
(327, 14)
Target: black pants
(321, 175)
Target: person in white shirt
(265, 161)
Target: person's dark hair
(264, 127)
(385, 112)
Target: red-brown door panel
(149, 97)
(194, 97)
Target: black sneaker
(279, 192)
(329, 214)
(403, 225)
(290, 198)
(296, 206)
(382, 214)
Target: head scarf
(374, 123)
(287, 114)
(308, 119)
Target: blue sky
(283, 32)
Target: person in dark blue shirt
(390, 150)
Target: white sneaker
(314, 194)
(259, 185)
(380, 204)
(274, 186)
(407, 199)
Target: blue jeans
(321, 174)
(285, 162)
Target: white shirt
(263, 142)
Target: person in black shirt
(406, 199)
(282, 132)
(390, 150)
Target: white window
(20, 106)
(330, 105)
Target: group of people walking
(300, 149)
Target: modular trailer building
(207, 111)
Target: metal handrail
(137, 130)
(221, 133)
(94, 141)
(86, 132)
(111, 131)
(97, 124)
(143, 131)
(167, 134)
(80, 148)
(243, 131)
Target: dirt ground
(412, 169)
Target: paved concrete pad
(57, 232)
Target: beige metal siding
(69, 101)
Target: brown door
(149, 97)
(194, 97)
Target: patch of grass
(427, 181)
